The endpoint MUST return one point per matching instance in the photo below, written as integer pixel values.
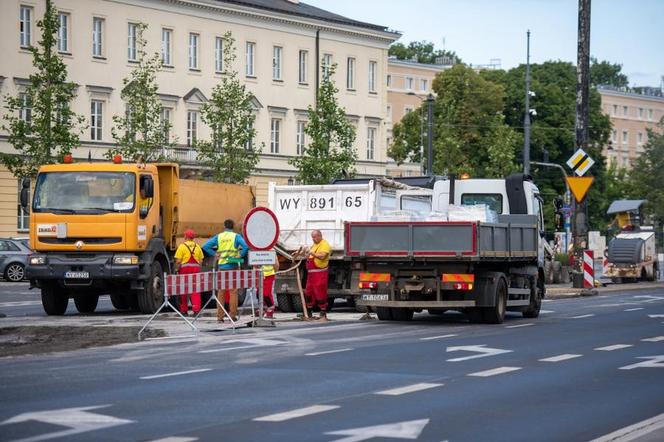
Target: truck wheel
(54, 300)
(150, 298)
(86, 303)
(119, 301)
(284, 301)
(330, 304)
(384, 313)
(496, 314)
(402, 314)
(533, 309)
(296, 302)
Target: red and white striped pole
(588, 269)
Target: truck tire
(296, 302)
(150, 298)
(54, 300)
(330, 304)
(86, 303)
(402, 314)
(284, 301)
(119, 301)
(533, 309)
(384, 313)
(496, 314)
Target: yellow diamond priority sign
(579, 186)
(580, 162)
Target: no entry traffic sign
(261, 228)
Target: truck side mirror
(147, 186)
(25, 192)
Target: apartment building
(631, 115)
(279, 46)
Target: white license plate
(77, 275)
(375, 297)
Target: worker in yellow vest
(269, 275)
(229, 248)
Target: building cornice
(630, 95)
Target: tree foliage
(139, 132)
(607, 73)
(422, 52)
(39, 121)
(329, 153)
(230, 153)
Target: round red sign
(261, 228)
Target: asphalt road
(586, 368)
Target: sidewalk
(562, 291)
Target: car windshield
(85, 192)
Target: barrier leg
(164, 304)
(261, 321)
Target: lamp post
(429, 100)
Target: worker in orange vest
(188, 259)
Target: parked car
(13, 258)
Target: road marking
(176, 439)
(482, 349)
(429, 338)
(544, 312)
(252, 343)
(300, 412)
(177, 373)
(590, 315)
(650, 362)
(398, 430)
(614, 347)
(19, 303)
(654, 339)
(656, 316)
(634, 309)
(408, 389)
(493, 372)
(560, 358)
(328, 352)
(520, 325)
(634, 431)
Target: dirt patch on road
(16, 341)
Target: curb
(565, 293)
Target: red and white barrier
(238, 279)
(588, 269)
(187, 284)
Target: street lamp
(429, 100)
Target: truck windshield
(85, 192)
(493, 200)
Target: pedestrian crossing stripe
(580, 162)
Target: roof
(625, 206)
(303, 10)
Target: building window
(423, 84)
(63, 32)
(25, 112)
(615, 109)
(96, 119)
(389, 112)
(409, 83)
(407, 109)
(23, 215)
(275, 135)
(166, 124)
(624, 137)
(192, 128)
(327, 64)
(373, 67)
(639, 138)
(276, 62)
(193, 51)
(389, 80)
(640, 113)
(300, 137)
(250, 142)
(371, 142)
(132, 29)
(219, 55)
(625, 111)
(650, 114)
(166, 47)
(614, 136)
(350, 73)
(97, 37)
(25, 26)
(303, 61)
(250, 56)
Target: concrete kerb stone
(570, 292)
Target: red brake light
(68, 159)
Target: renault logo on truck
(79, 245)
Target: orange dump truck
(105, 228)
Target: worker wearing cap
(229, 248)
(188, 259)
(269, 275)
(317, 273)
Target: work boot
(323, 316)
(269, 313)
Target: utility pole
(526, 117)
(430, 134)
(580, 224)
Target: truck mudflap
(81, 270)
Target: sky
(629, 32)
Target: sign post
(261, 231)
(580, 162)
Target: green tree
(229, 113)
(422, 51)
(470, 134)
(607, 73)
(647, 174)
(139, 132)
(39, 122)
(330, 153)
